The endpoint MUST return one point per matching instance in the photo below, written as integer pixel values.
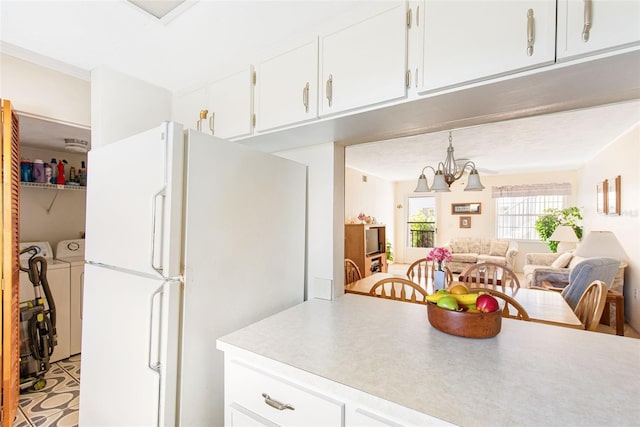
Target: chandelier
(449, 172)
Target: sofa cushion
(468, 257)
(474, 246)
(575, 260)
(459, 246)
(485, 246)
(490, 258)
(498, 248)
(562, 261)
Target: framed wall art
(465, 222)
(466, 208)
(613, 196)
(601, 197)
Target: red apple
(486, 303)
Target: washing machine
(72, 252)
(58, 276)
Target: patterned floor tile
(20, 420)
(56, 402)
(71, 366)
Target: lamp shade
(601, 244)
(423, 185)
(566, 238)
(473, 183)
(439, 184)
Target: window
(516, 216)
(421, 224)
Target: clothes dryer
(58, 276)
(72, 251)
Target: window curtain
(524, 190)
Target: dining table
(541, 305)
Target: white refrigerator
(188, 237)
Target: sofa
(467, 251)
(551, 267)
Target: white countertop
(530, 374)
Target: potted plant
(552, 218)
(389, 252)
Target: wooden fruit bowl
(465, 324)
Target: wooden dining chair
(519, 311)
(591, 305)
(490, 274)
(399, 289)
(351, 272)
(421, 272)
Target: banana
(466, 299)
(435, 297)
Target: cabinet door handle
(329, 89)
(587, 21)
(305, 97)
(275, 404)
(407, 80)
(417, 15)
(211, 123)
(416, 77)
(531, 32)
(409, 13)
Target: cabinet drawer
(245, 387)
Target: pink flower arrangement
(439, 255)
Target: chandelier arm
(428, 167)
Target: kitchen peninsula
(368, 361)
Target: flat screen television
(372, 245)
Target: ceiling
(560, 141)
(209, 40)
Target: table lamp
(600, 244)
(566, 238)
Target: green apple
(448, 302)
(442, 291)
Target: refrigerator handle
(157, 223)
(155, 343)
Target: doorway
(420, 226)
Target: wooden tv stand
(355, 248)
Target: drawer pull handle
(275, 404)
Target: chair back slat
(399, 289)
(591, 305)
(490, 275)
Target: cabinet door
(187, 107)
(365, 63)
(230, 102)
(466, 41)
(415, 46)
(590, 26)
(287, 88)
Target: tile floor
(58, 402)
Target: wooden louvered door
(10, 309)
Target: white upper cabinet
(364, 63)
(592, 26)
(467, 41)
(230, 105)
(287, 88)
(187, 107)
(415, 45)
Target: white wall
(122, 106)
(325, 227)
(622, 157)
(373, 197)
(482, 225)
(40, 91)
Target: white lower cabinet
(262, 392)
(590, 26)
(253, 397)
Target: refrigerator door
(129, 349)
(244, 258)
(134, 202)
